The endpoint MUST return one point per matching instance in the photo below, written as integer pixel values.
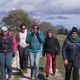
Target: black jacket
(71, 49)
(51, 45)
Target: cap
(4, 28)
(74, 29)
(49, 31)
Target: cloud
(8, 5)
(59, 6)
(45, 9)
(42, 7)
(62, 17)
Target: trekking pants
(23, 57)
(48, 62)
(69, 67)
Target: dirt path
(15, 64)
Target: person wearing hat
(35, 38)
(7, 51)
(51, 48)
(71, 54)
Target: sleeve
(65, 44)
(41, 37)
(57, 47)
(28, 38)
(14, 45)
(43, 51)
(17, 38)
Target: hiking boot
(47, 75)
(53, 74)
(9, 77)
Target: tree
(62, 31)
(16, 17)
(66, 32)
(44, 26)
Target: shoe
(47, 75)
(9, 77)
(32, 78)
(52, 74)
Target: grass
(60, 64)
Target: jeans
(5, 61)
(34, 58)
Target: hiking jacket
(51, 45)
(71, 49)
(8, 44)
(35, 41)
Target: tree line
(16, 17)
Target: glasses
(35, 28)
(23, 28)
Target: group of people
(32, 44)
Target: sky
(58, 12)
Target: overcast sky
(41, 8)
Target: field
(60, 65)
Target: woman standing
(23, 48)
(71, 54)
(7, 51)
(51, 48)
(35, 38)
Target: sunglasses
(35, 28)
(23, 28)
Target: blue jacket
(35, 41)
(71, 49)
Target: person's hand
(66, 62)
(24, 46)
(27, 45)
(53, 55)
(13, 55)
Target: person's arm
(28, 38)
(57, 46)
(17, 38)
(14, 46)
(43, 51)
(40, 36)
(64, 52)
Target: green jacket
(35, 41)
